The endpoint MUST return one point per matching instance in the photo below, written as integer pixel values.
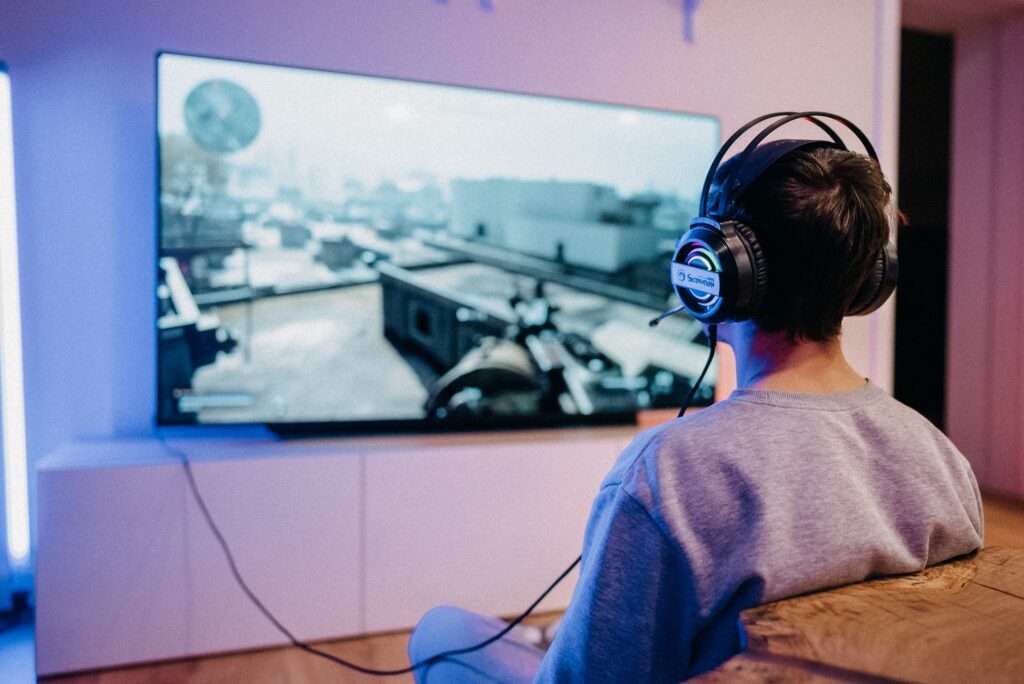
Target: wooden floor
(1004, 526)
(276, 665)
(1004, 522)
(273, 666)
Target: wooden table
(962, 621)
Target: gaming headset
(719, 270)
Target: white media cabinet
(338, 537)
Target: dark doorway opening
(926, 65)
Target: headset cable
(304, 646)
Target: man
(806, 477)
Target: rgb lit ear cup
(701, 248)
(879, 283)
(731, 253)
(719, 243)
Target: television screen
(359, 251)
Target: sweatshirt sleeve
(632, 616)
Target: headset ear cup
(704, 246)
(751, 287)
(879, 284)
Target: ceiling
(947, 16)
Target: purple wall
(83, 92)
(985, 365)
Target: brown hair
(821, 218)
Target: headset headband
(787, 117)
(719, 269)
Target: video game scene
(337, 248)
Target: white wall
(83, 91)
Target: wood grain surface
(956, 622)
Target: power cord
(292, 639)
(302, 645)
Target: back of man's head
(821, 217)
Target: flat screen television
(359, 253)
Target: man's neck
(770, 361)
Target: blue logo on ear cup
(699, 281)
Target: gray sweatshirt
(760, 497)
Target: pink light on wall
(985, 366)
